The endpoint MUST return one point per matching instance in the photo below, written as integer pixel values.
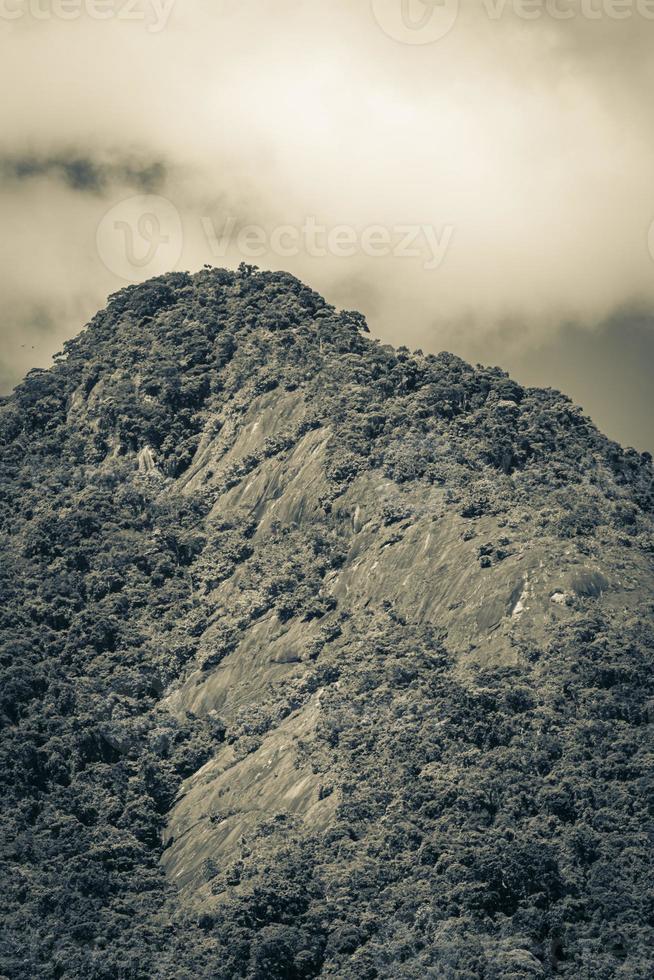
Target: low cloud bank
(494, 182)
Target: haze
(488, 191)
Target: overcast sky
(473, 177)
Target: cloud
(80, 171)
(529, 139)
(606, 367)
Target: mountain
(320, 658)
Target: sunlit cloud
(520, 149)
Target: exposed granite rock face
(424, 564)
(323, 659)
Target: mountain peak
(321, 658)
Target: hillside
(320, 658)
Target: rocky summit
(320, 658)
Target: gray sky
(473, 177)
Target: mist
(487, 191)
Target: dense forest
(212, 508)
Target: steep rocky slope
(321, 658)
